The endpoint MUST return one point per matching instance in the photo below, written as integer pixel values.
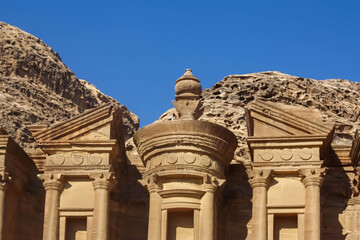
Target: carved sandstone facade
(69, 189)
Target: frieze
(181, 158)
(77, 159)
(286, 154)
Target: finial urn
(187, 86)
(188, 91)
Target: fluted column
(259, 180)
(101, 184)
(312, 180)
(155, 213)
(53, 187)
(207, 213)
(3, 185)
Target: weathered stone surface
(336, 100)
(37, 87)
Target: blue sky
(135, 50)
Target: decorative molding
(191, 193)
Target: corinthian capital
(52, 181)
(312, 177)
(103, 180)
(260, 178)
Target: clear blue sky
(135, 50)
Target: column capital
(211, 183)
(152, 183)
(312, 177)
(4, 180)
(103, 180)
(52, 181)
(260, 178)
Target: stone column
(207, 213)
(312, 180)
(4, 178)
(53, 187)
(155, 212)
(101, 184)
(259, 180)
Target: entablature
(287, 151)
(89, 142)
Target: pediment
(268, 119)
(100, 123)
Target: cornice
(284, 141)
(76, 145)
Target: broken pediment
(268, 119)
(101, 123)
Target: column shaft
(207, 216)
(51, 216)
(101, 209)
(155, 221)
(3, 186)
(312, 208)
(259, 212)
(259, 180)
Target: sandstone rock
(224, 103)
(37, 87)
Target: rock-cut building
(73, 187)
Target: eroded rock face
(36, 87)
(336, 100)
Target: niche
(76, 228)
(285, 227)
(180, 224)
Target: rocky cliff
(36, 87)
(337, 100)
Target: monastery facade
(67, 190)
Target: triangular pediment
(267, 119)
(95, 124)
